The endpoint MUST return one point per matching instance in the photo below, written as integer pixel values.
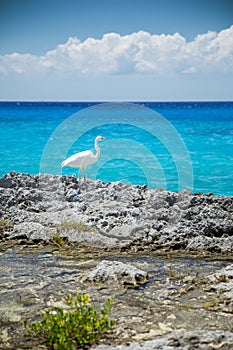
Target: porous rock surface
(115, 273)
(202, 340)
(114, 215)
(221, 282)
(176, 309)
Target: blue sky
(116, 50)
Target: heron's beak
(104, 138)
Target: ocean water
(167, 145)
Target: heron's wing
(80, 159)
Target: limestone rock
(121, 216)
(181, 341)
(116, 273)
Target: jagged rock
(31, 231)
(122, 216)
(222, 283)
(116, 273)
(117, 217)
(181, 341)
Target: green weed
(73, 225)
(79, 326)
(210, 304)
(59, 241)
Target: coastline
(122, 217)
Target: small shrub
(4, 226)
(78, 326)
(59, 241)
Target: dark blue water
(169, 145)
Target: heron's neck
(97, 150)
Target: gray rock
(222, 283)
(116, 273)
(31, 231)
(181, 340)
(121, 216)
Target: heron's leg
(80, 175)
(85, 174)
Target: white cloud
(210, 52)
(18, 63)
(139, 52)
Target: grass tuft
(73, 225)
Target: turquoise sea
(167, 145)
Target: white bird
(83, 159)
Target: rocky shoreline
(115, 215)
(123, 241)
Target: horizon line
(113, 101)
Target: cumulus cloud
(139, 52)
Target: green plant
(211, 303)
(222, 278)
(171, 272)
(59, 241)
(61, 231)
(73, 225)
(174, 274)
(4, 226)
(78, 326)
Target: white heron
(82, 159)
